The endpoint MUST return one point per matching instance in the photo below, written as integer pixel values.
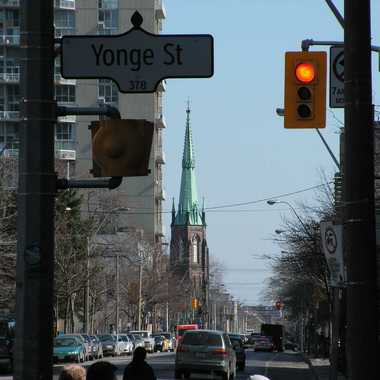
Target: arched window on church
(181, 251)
(195, 244)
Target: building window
(64, 131)
(9, 136)
(107, 91)
(108, 16)
(65, 93)
(181, 251)
(195, 245)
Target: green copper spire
(188, 208)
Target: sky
(242, 151)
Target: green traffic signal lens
(304, 93)
(304, 111)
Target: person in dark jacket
(101, 370)
(138, 368)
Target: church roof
(188, 206)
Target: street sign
(137, 60)
(336, 77)
(331, 236)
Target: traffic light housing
(194, 303)
(121, 148)
(305, 90)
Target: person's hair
(101, 371)
(72, 372)
(139, 354)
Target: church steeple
(188, 207)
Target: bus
(180, 330)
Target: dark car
(108, 344)
(159, 343)
(6, 357)
(238, 346)
(264, 343)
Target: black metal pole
(362, 313)
(36, 192)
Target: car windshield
(65, 342)
(105, 338)
(142, 334)
(158, 338)
(202, 339)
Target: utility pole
(36, 195)
(117, 292)
(362, 313)
(140, 297)
(87, 291)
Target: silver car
(205, 352)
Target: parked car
(264, 343)
(138, 341)
(6, 354)
(205, 352)
(253, 337)
(128, 344)
(85, 343)
(238, 346)
(147, 338)
(89, 346)
(97, 349)
(69, 348)
(108, 344)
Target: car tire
(177, 374)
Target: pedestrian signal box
(121, 148)
(305, 90)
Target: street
(276, 366)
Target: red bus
(180, 330)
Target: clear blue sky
(242, 151)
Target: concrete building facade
(142, 196)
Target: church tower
(189, 256)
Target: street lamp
(272, 202)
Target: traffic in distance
(197, 351)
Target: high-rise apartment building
(143, 196)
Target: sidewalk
(320, 368)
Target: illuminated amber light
(305, 72)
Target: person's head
(139, 354)
(72, 372)
(101, 371)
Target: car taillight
(181, 349)
(220, 351)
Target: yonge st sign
(137, 60)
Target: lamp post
(272, 202)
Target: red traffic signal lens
(305, 72)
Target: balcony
(160, 9)
(66, 155)
(60, 32)
(10, 40)
(64, 4)
(10, 77)
(58, 79)
(160, 158)
(67, 119)
(9, 115)
(160, 121)
(10, 3)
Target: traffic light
(305, 90)
(194, 303)
(121, 148)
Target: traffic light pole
(36, 192)
(362, 313)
